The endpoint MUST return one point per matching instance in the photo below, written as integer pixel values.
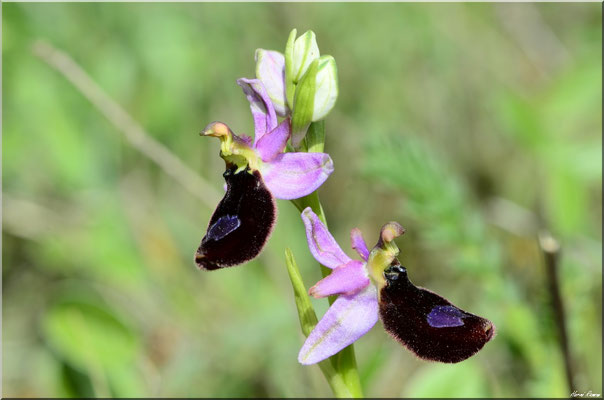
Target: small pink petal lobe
(346, 279)
(358, 243)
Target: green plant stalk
(343, 362)
(308, 321)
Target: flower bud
(299, 54)
(270, 69)
(305, 52)
(315, 96)
(326, 87)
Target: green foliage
(306, 312)
(452, 119)
(440, 381)
(76, 329)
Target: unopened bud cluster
(300, 83)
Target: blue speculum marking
(223, 227)
(445, 317)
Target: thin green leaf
(306, 312)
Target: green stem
(343, 362)
(336, 380)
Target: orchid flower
(257, 172)
(378, 287)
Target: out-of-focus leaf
(89, 336)
(126, 381)
(465, 380)
(522, 330)
(524, 125)
(567, 200)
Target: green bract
(304, 100)
(305, 52)
(315, 96)
(326, 87)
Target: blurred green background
(473, 125)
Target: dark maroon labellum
(428, 324)
(241, 224)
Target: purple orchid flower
(287, 175)
(378, 287)
(257, 172)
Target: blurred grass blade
(134, 133)
(308, 321)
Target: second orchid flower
(426, 323)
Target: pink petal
(293, 175)
(346, 279)
(270, 69)
(320, 242)
(348, 318)
(265, 119)
(274, 142)
(358, 243)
